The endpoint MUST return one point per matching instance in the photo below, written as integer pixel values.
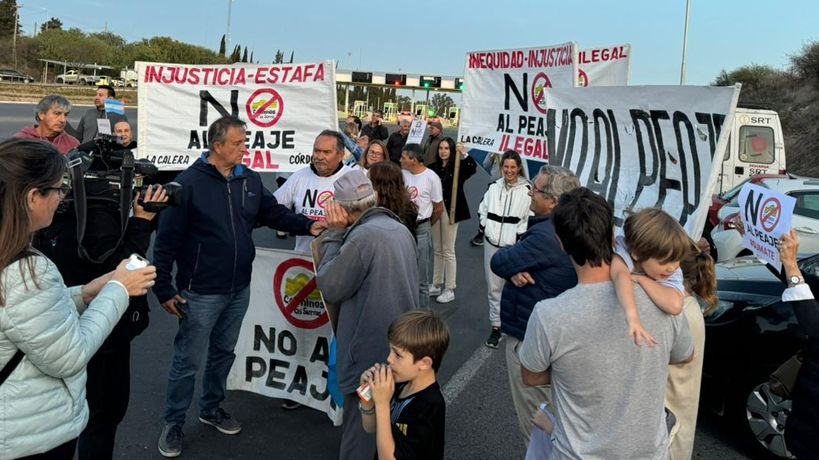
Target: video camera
(106, 169)
(104, 174)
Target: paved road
(480, 419)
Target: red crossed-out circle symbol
(539, 84)
(288, 309)
(323, 198)
(413, 192)
(582, 78)
(771, 212)
(265, 107)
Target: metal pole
(227, 35)
(14, 40)
(685, 42)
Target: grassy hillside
(794, 93)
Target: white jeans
(494, 285)
(443, 243)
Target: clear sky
(432, 36)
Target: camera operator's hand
(151, 194)
(137, 282)
(172, 306)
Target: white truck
(129, 77)
(76, 76)
(755, 146)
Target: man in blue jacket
(209, 238)
(535, 268)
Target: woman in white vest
(504, 213)
(48, 332)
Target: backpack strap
(11, 365)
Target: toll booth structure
(454, 116)
(420, 111)
(360, 109)
(390, 111)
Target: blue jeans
(211, 322)
(423, 235)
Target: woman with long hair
(504, 213)
(445, 231)
(391, 193)
(48, 332)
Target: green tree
(251, 57)
(222, 46)
(441, 102)
(751, 76)
(52, 24)
(8, 11)
(806, 63)
(236, 55)
(291, 56)
(279, 59)
(244, 56)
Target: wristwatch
(794, 280)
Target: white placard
(416, 132)
(505, 93)
(104, 126)
(767, 216)
(285, 107)
(642, 146)
(284, 343)
(609, 66)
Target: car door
(806, 220)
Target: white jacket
(504, 211)
(42, 403)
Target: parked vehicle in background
(719, 200)
(750, 334)
(75, 76)
(129, 78)
(755, 146)
(15, 76)
(726, 240)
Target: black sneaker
(170, 441)
(494, 338)
(477, 240)
(221, 420)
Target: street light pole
(14, 40)
(685, 42)
(227, 36)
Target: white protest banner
(643, 146)
(416, 133)
(608, 66)
(284, 345)
(285, 107)
(767, 216)
(504, 93)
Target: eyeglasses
(63, 190)
(534, 190)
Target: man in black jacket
(209, 239)
(375, 129)
(109, 371)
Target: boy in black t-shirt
(406, 410)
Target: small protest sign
(416, 133)
(767, 216)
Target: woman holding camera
(48, 332)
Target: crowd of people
(604, 336)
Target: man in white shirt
(309, 189)
(424, 187)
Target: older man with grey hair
(397, 140)
(367, 266)
(51, 115)
(537, 268)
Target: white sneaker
(447, 296)
(434, 291)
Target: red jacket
(63, 141)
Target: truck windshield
(756, 144)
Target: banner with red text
(644, 146)
(504, 101)
(284, 105)
(608, 66)
(284, 344)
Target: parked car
(75, 76)
(749, 335)
(721, 199)
(15, 76)
(727, 242)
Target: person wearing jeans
(424, 187)
(209, 239)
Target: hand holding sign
(767, 216)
